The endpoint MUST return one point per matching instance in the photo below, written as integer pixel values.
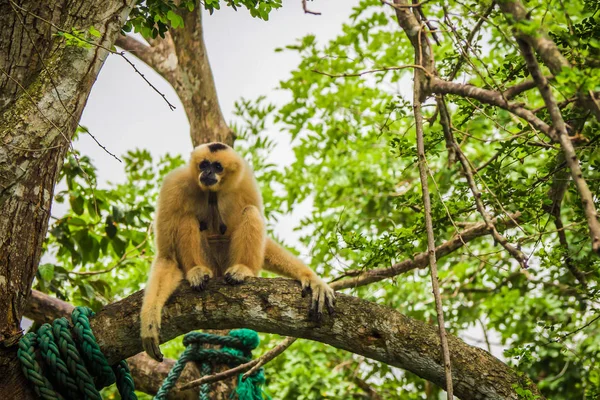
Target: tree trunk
(44, 85)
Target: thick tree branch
(568, 149)
(420, 260)
(491, 97)
(195, 83)
(276, 306)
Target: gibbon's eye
(204, 164)
(218, 167)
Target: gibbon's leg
(246, 247)
(191, 251)
(165, 276)
(282, 262)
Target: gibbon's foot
(322, 296)
(150, 345)
(198, 277)
(237, 274)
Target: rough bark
(276, 306)
(181, 58)
(44, 86)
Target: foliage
(152, 18)
(355, 161)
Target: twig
(307, 11)
(271, 354)
(86, 130)
(404, 6)
(470, 38)
(258, 362)
(417, 93)
(466, 166)
(571, 159)
(513, 91)
(372, 71)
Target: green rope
(237, 349)
(68, 362)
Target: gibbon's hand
(150, 345)
(322, 295)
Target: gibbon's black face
(209, 172)
(217, 166)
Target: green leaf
(176, 20)
(46, 272)
(94, 32)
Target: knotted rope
(71, 360)
(237, 349)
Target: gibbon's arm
(282, 262)
(165, 276)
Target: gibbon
(215, 196)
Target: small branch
(420, 260)
(307, 11)
(157, 56)
(571, 159)
(122, 54)
(558, 188)
(468, 170)
(418, 86)
(469, 41)
(86, 130)
(251, 366)
(371, 71)
(270, 355)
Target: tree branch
(546, 48)
(420, 260)
(571, 159)
(513, 91)
(249, 368)
(494, 98)
(276, 306)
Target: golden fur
(187, 214)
